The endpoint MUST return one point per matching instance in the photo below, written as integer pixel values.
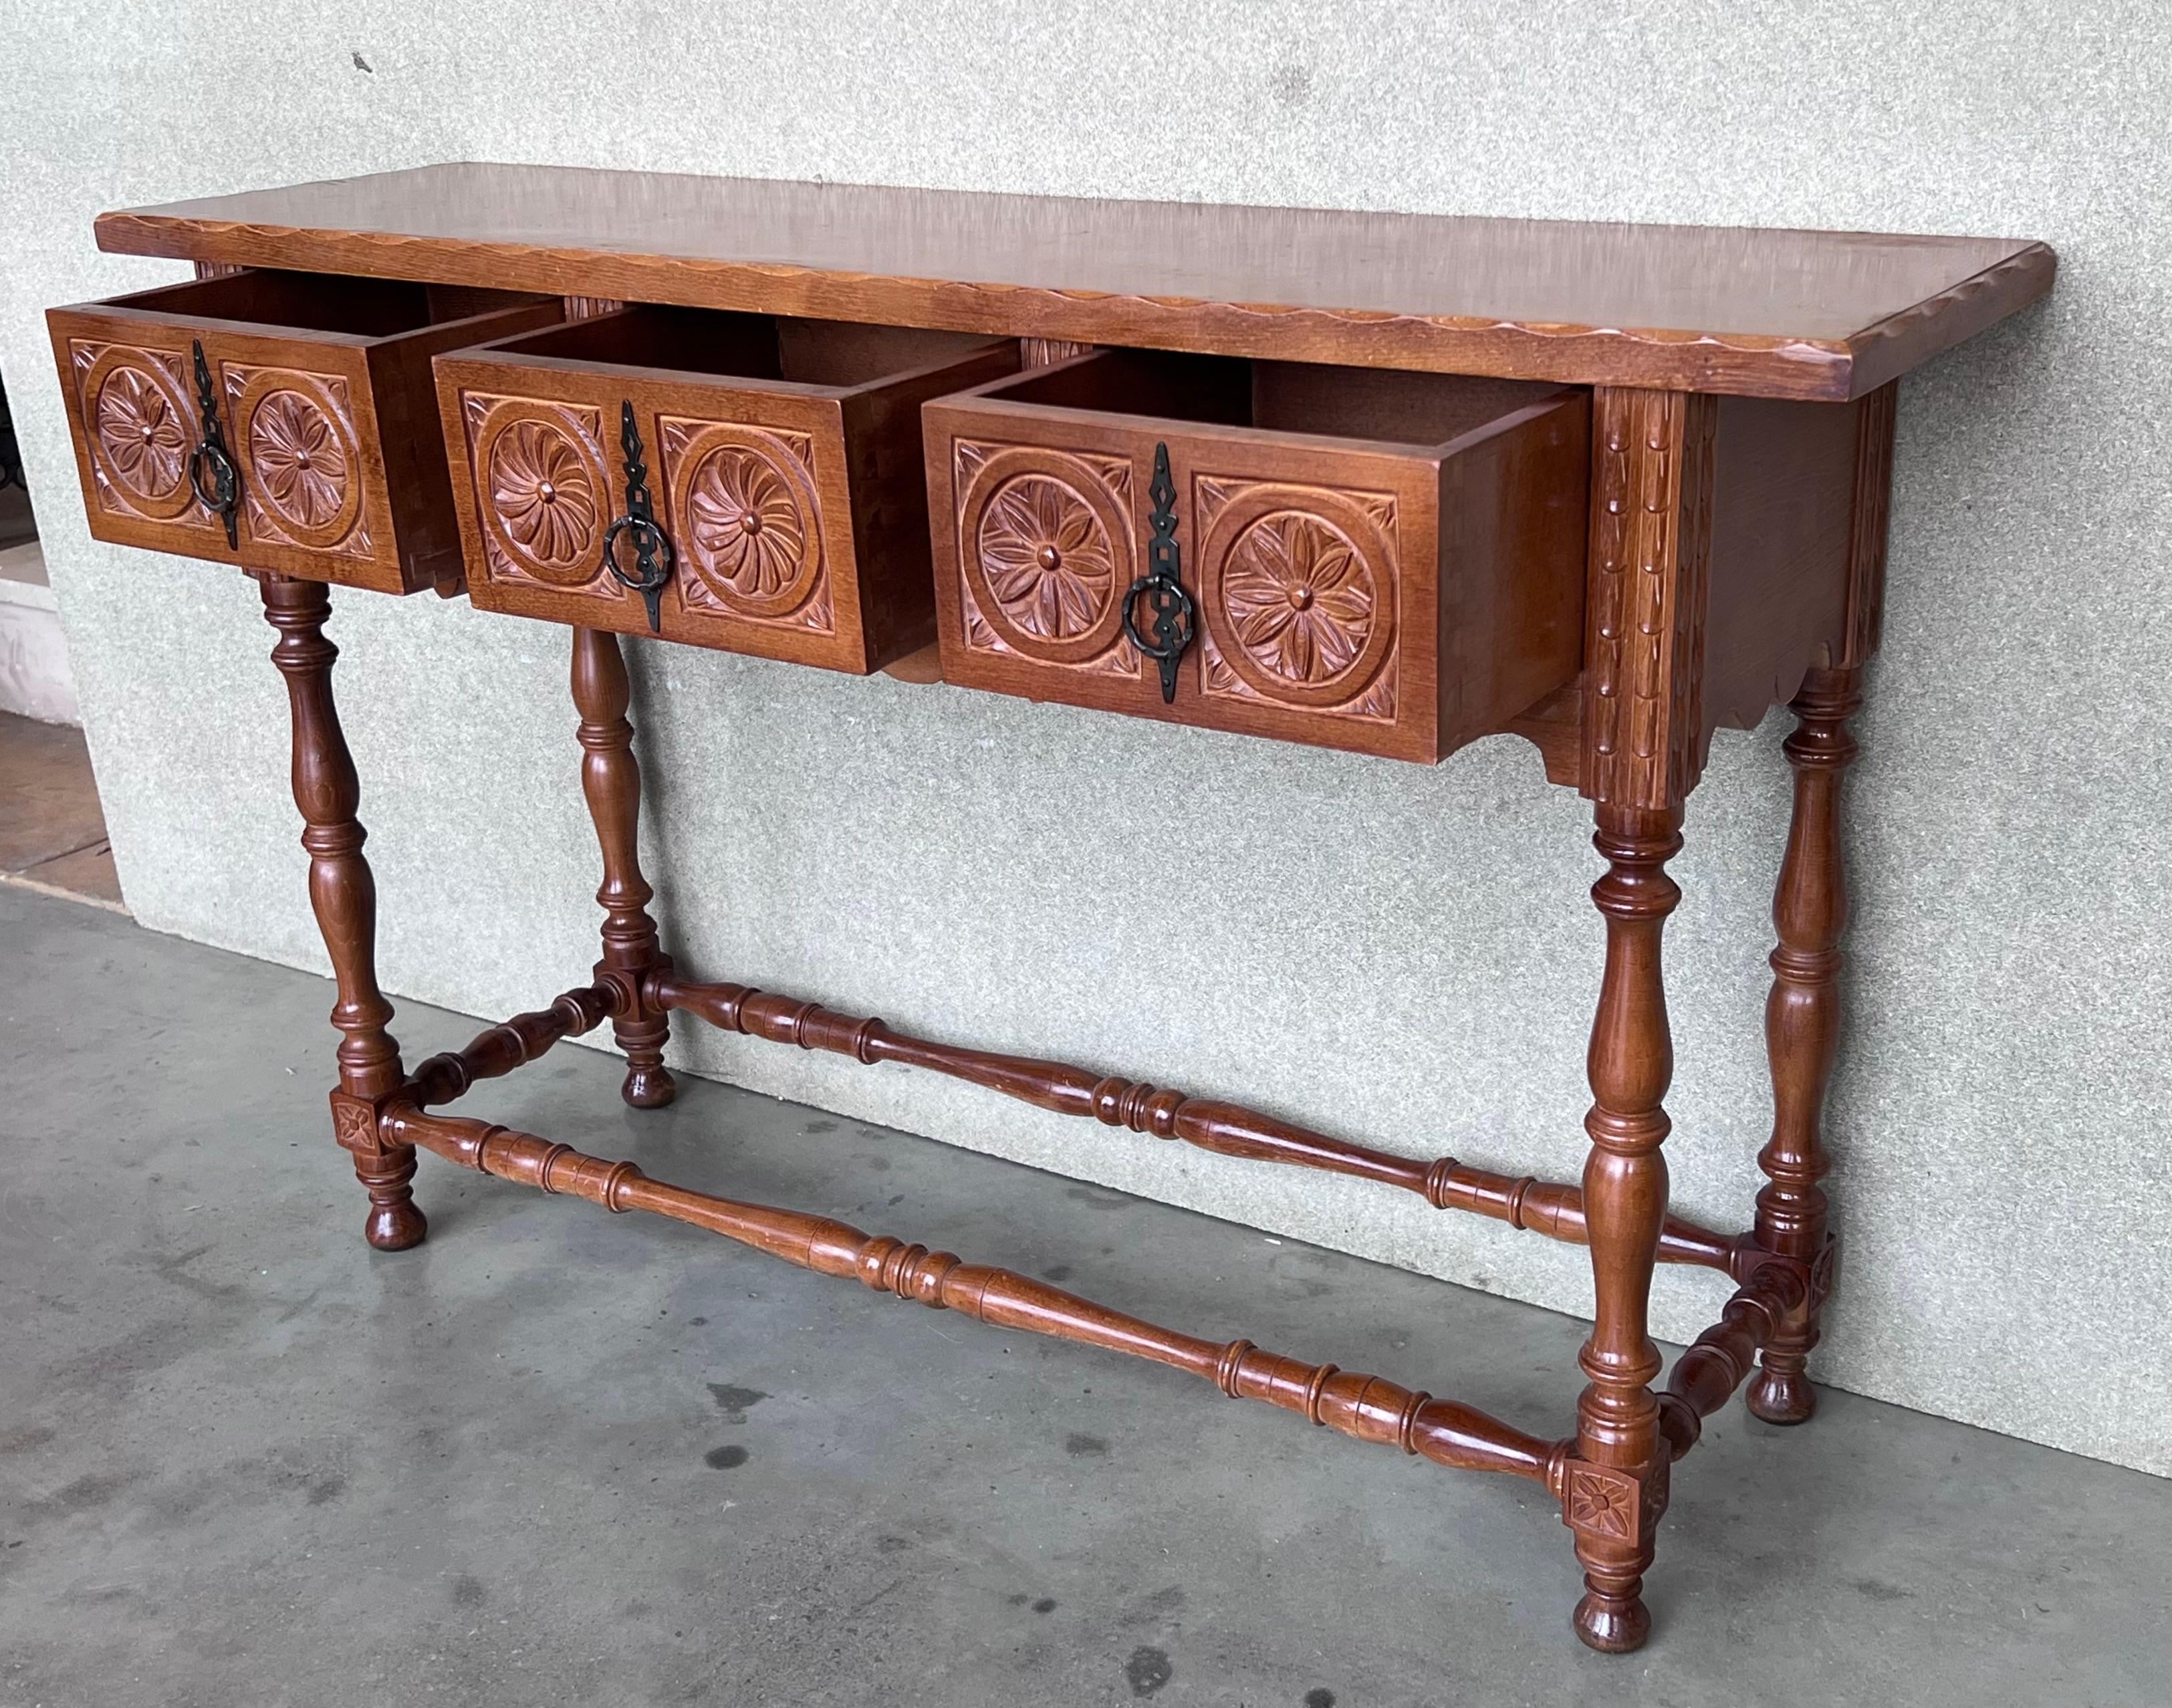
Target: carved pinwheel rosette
(1300, 588)
(1045, 544)
(141, 428)
(542, 491)
(747, 520)
(301, 469)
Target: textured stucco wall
(1396, 953)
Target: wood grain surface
(1825, 316)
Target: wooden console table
(1378, 482)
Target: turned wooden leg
(1802, 1030)
(1616, 1485)
(344, 898)
(611, 778)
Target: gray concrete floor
(555, 1456)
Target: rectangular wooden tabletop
(1809, 315)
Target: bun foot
(1612, 1625)
(648, 1087)
(395, 1226)
(395, 1223)
(1782, 1396)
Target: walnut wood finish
(1644, 733)
(610, 779)
(1625, 1197)
(1363, 405)
(1227, 1129)
(1809, 913)
(323, 390)
(1642, 753)
(344, 897)
(1363, 1407)
(1798, 495)
(512, 1044)
(1643, 749)
(1816, 316)
(1391, 563)
(1801, 1030)
(782, 459)
(1706, 1376)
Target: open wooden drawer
(1390, 562)
(278, 421)
(750, 482)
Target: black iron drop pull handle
(1175, 618)
(653, 554)
(222, 494)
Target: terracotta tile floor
(52, 834)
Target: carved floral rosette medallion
(301, 468)
(1299, 587)
(1046, 554)
(354, 1124)
(1616, 1505)
(747, 522)
(140, 425)
(542, 491)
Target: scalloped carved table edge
(1813, 315)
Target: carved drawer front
(1387, 562)
(278, 421)
(755, 478)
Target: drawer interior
(1421, 410)
(325, 302)
(839, 353)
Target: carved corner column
(1809, 916)
(344, 897)
(1644, 737)
(610, 779)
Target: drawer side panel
(1515, 518)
